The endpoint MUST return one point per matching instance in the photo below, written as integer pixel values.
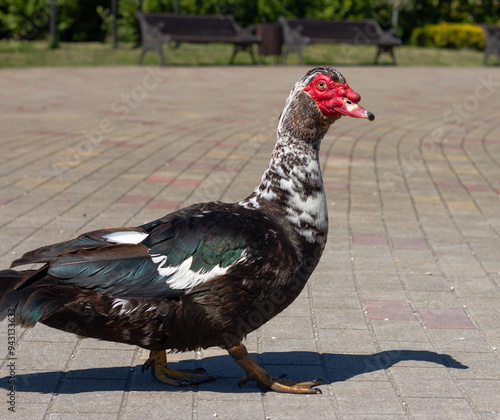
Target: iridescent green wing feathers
(175, 254)
(211, 239)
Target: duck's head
(316, 101)
(329, 89)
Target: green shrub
(449, 35)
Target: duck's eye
(321, 85)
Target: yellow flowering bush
(449, 35)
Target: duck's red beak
(352, 109)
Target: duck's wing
(168, 262)
(97, 238)
(120, 270)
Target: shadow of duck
(297, 364)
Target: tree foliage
(90, 20)
(427, 12)
(77, 20)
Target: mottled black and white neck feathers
(293, 178)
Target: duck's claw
(296, 387)
(264, 381)
(285, 386)
(157, 361)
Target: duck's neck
(292, 186)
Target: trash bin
(272, 38)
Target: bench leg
(287, 50)
(301, 56)
(159, 50)
(143, 53)
(250, 51)
(235, 51)
(162, 57)
(377, 55)
(284, 53)
(386, 49)
(243, 47)
(393, 56)
(297, 49)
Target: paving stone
(134, 199)
(480, 365)
(90, 343)
(369, 239)
(34, 386)
(160, 178)
(49, 356)
(186, 183)
(484, 395)
(365, 398)
(27, 410)
(387, 310)
(278, 351)
(378, 292)
(425, 408)
(287, 328)
(171, 404)
(375, 276)
(105, 364)
(462, 340)
(336, 299)
(445, 318)
(89, 396)
(82, 416)
(221, 409)
(351, 319)
(41, 333)
(398, 331)
(424, 382)
(283, 406)
(373, 416)
(409, 243)
(346, 341)
(434, 299)
(164, 204)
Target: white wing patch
(125, 237)
(181, 277)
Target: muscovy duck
(203, 276)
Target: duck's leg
(264, 380)
(157, 361)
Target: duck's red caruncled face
(335, 99)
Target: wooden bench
(299, 32)
(491, 41)
(158, 29)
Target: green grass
(37, 54)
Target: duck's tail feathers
(25, 305)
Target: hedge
(449, 35)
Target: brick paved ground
(402, 316)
